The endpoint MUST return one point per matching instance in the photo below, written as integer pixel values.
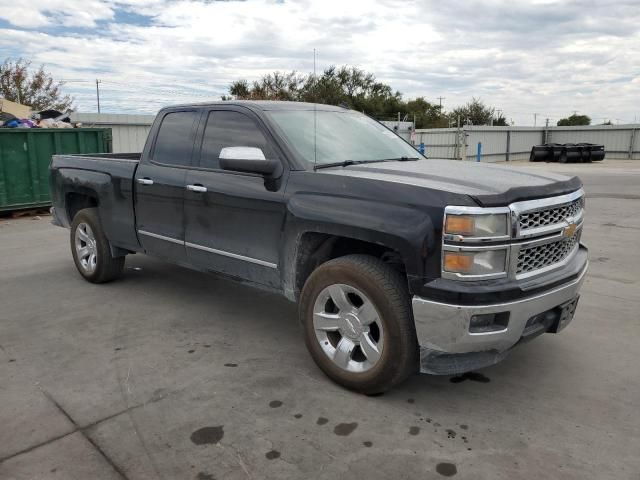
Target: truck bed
(101, 180)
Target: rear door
(233, 221)
(160, 186)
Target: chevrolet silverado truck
(398, 263)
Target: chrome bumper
(443, 329)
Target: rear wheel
(91, 250)
(358, 325)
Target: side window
(174, 143)
(230, 129)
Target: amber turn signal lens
(457, 262)
(459, 224)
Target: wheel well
(77, 201)
(318, 248)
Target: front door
(233, 221)
(160, 187)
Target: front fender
(402, 228)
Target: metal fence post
(508, 144)
(631, 142)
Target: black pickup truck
(398, 263)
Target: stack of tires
(567, 153)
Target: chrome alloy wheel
(348, 327)
(86, 248)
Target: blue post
(421, 148)
(479, 154)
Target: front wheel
(358, 325)
(90, 248)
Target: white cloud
(523, 57)
(68, 13)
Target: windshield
(339, 137)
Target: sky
(524, 58)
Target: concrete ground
(168, 374)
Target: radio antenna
(315, 102)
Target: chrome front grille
(543, 236)
(550, 216)
(548, 254)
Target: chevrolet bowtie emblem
(569, 230)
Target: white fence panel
(616, 139)
(129, 132)
(493, 140)
(498, 143)
(522, 140)
(438, 142)
(514, 143)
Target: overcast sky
(543, 57)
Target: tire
(91, 250)
(363, 349)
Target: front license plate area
(567, 311)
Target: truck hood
(488, 185)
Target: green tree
(574, 120)
(358, 90)
(343, 85)
(35, 88)
(500, 121)
(476, 113)
(427, 115)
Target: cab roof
(266, 105)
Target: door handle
(196, 188)
(145, 181)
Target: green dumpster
(25, 154)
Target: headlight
(481, 226)
(471, 263)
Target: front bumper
(449, 345)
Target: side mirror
(248, 160)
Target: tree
(427, 115)
(36, 88)
(574, 120)
(343, 85)
(500, 121)
(358, 90)
(476, 113)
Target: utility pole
(440, 102)
(98, 93)
(535, 119)
(545, 135)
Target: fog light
(489, 322)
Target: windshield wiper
(399, 159)
(346, 163)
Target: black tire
(105, 268)
(387, 290)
